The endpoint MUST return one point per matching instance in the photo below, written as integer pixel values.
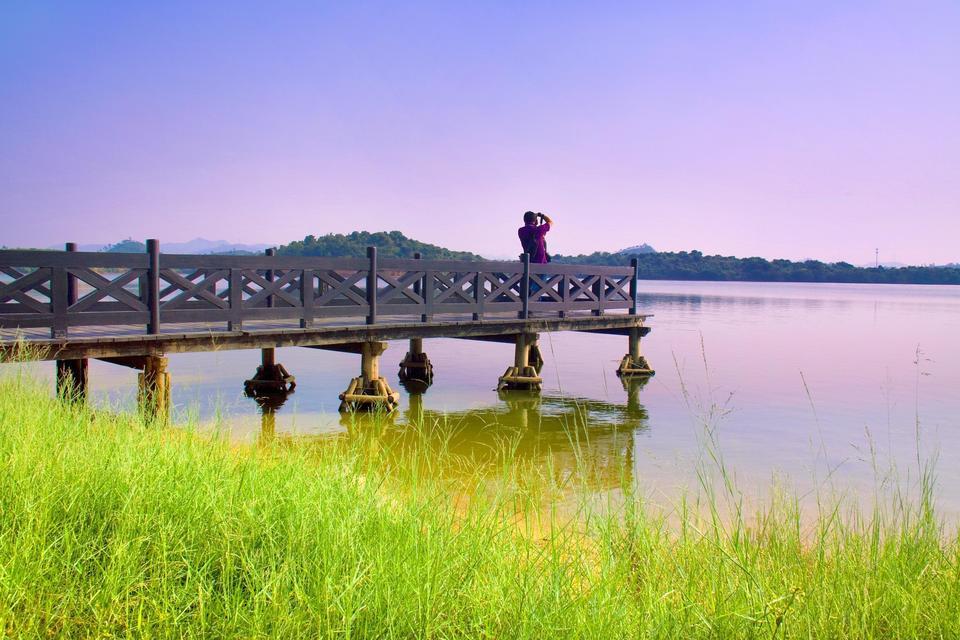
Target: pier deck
(106, 342)
(134, 309)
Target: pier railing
(64, 289)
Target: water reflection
(633, 385)
(590, 440)
(269, 405)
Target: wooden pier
(134, 309)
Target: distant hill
(392, 244)
(202, 245)
(637, 249)
(195, 246)
(126, 246)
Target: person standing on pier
(533, 236)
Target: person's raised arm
(546, 218)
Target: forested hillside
(392, 244)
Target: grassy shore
(110, 527)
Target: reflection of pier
(591, 439)
(588, 438)
(134, 309)
(269, 405)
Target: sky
(778, 129)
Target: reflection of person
(533, 236)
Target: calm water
(796, 380)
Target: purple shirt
(533, 235)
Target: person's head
(529, 217)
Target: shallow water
(816, 385)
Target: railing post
(418, 285)
(428, 284)
(372, 285)
(61, 297)
(153, 286)
(565, 283)
(270, 253)
(418, 288)
(306, 298)
(634, 285)
(525, 288)
(598, 291)
(478, 294)
(235, 323)
(71, 279)
(58, 302)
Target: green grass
(113, 528)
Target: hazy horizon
(805, 130)
(505, 254)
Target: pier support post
(416, 366)
(72, 379)
(270, 378)
(634, 363)
(369, 391)
(533, 354)
(522, 375)
(154, 387)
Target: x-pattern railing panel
(201, 288)
(582, 288)
(60, 290)
(546, 286)
(341, 288)
(103, 288)
(454, 287)
(505, 287)
(614, 289)
(282, 288)
(406, 284)
(24, 291)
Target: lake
(815, 385)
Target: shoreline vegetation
(115, 527)
(694, 265)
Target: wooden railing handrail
(96, 259)
(60, 289)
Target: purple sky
(808, 129)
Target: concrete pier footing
(369, 391)
(634, 363)
(271, 377)
(534, 356)
(522, 375)
(416, 366)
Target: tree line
(680, 265)
(693, 265)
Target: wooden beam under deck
(199, 341)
